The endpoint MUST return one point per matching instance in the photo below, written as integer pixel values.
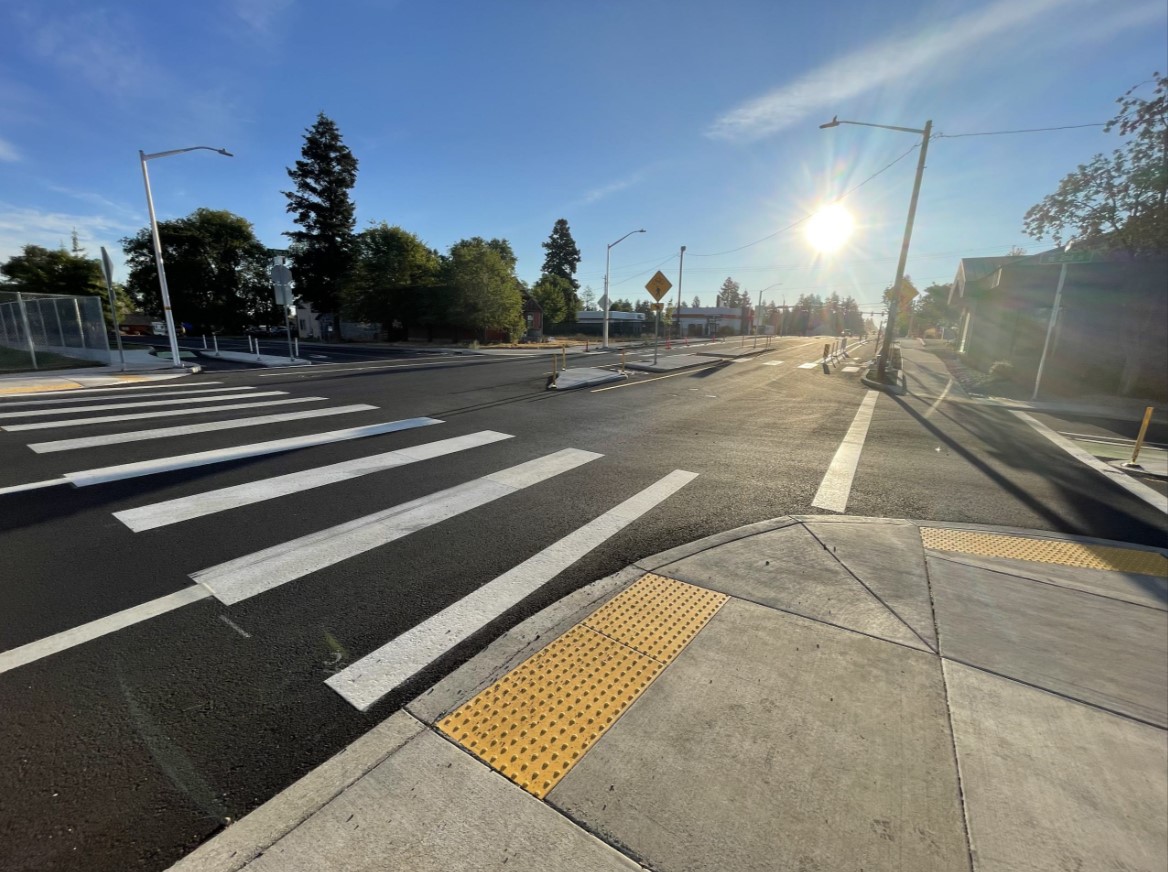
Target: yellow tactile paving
(55, 388)
(657, 616)
(538, 720)
(1038, 550)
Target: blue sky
(695, 120)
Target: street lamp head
(833, 123)
(224, 152)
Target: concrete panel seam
(1064, 696)
(873, 593)
(1008, 574)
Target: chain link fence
(54, 323)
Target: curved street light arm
(221, 151)
(836, 122)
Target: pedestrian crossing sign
(658, 286)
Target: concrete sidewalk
(88, 377)
(807, 693)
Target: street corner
(538, 720)
(19, 385)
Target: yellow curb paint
(55, 388)
(1037, 550)
(536, 722)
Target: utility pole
(680, 267)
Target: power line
(806, 217)
(1027, 130)
(612, 284)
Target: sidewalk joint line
(1066, 696)
(875, 595)
(1008, 574)
(949, 714)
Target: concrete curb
(242, 842)
(584, 377)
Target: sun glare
(829, 228)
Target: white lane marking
(105, 407)
(1125, 481)
(188, 429)
(235, 626)
(65, 400)
(811, 365)
(34, 651)
(851, 369)
(101, 475)
(836, 486)
(367, 680)
(169, 413)
(772, 363)
(32, 485)
(236, 580)
(73, 391)
(209, 502)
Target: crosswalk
(244, 576)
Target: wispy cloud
(598, 194)
(261, 15)
(889, 60)
(8, 151)
(20, 226)
(95, 199)
(95, 45)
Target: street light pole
(607, 301)
(677, 315)
(167, 314)
(925, 133)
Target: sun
(830, 228)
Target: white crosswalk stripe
(106, 407)
(369, 679)
(190, 429)
(209, 502)
(242, 577)
(168, 413)
(239, 579)
(102, 475)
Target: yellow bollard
(1140, 439)
(565, 350)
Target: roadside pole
(1054, 313)
(107, 267)
(282, 284)
(27, 329)
(658, 287)
(656, 331)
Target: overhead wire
(807, 217)
(1025, 130)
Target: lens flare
(830, 228)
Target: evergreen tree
(324, 245)
(561, 260)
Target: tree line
(218, 271)
(217, 268)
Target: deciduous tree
(216, 269)
(395, 280)
(1117, 201)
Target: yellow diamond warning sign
(658, 286)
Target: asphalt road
(128, 750)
